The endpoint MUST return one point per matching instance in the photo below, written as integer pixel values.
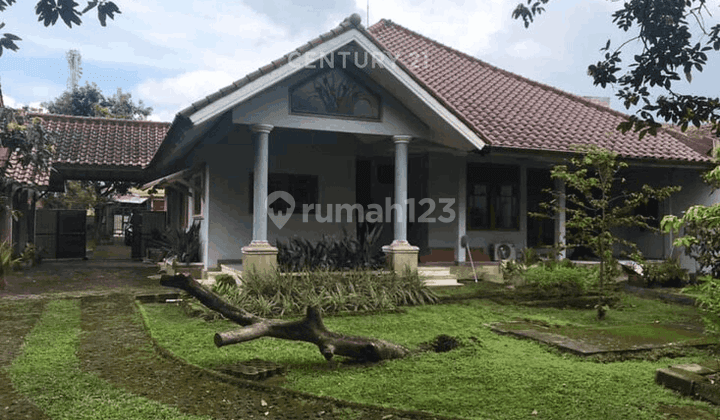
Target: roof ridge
(543, 86)
(82, 117)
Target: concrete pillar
(401, 256)
(523, 205)
(260, 255)
(401, 181)
(560, 219)
(460, 252)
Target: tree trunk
(309, 329)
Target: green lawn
(48, 373)
(490, 376)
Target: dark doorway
(375, 184)
(540, 231)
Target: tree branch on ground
(309, 329)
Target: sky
(171, 53)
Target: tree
(48, 12)
(89, 101)
(31, 144)
(597, 203)
(310, 329)
(670, 46)
(85, 195)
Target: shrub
(560, 280)
(184, 245)
(666, 274)
(708, 299)
(352, 291)
(330, 253)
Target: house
(86, 148)
(356, 121)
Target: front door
(375, 184)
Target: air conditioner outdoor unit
(504, 251)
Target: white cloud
(465, 26)
(180, 91)
(10, 102)
(529, 48)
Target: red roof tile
(106, 142)
(699, 139)
(513, 112)
(19, 173)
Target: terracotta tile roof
(20, 174)
(701, 139)
(510, 111)
(103, 142)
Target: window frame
(495, 178)
(288, 183)
(197, 192)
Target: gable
(192, 123)
(335, 99)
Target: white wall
(694, 191)
(331, 159)
(444, 177)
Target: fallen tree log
(309, 329)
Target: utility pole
(75, 65)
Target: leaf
(68, 13)
(106, 10)
(90, 5)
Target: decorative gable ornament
(334, 93)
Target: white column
(523, 204)
(401, 180)
(560, 219)
(462, 209)
(260, 182)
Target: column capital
(401, 139)
(261, 128)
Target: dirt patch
(116, 347)
(16, 320)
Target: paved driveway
(108, 269)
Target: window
(493, 196)
(303, 188)
(198, 194)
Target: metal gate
(61, 233)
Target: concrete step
(440, 272)
(442, 282)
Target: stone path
(588, 341)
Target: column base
(260, 257)
(401, 256)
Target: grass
(490, 376)
(48, 372)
